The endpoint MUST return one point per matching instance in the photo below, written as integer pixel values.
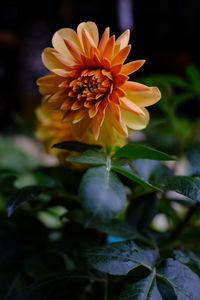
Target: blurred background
(165, 33)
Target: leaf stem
(180, 227)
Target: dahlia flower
(88, 82)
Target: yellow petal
(129, 105)
(134, 121)
(145, 98)
(58, 40)
(91, 28)
(50, 61)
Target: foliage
(110, 227)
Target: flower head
(88, 82)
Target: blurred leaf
(102, 193)
(13, 158)
(193, 155)
(134, 151)
(185, 283)
(25, 194)
(141, 211)
(76, 146)
(185, 185)
(171, 79)
(180, 98)
(127, 172)
(89, 157)
(120, 258)
(145, 289)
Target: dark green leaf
(185, 283)
(102, 193)
(76, 146)
(185, 185)
(127, 172)
(89, 157)
(135, 151)
(145, 289)
(23, 195)
(120, 258)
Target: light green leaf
(185, 185)
(135, 151)
(185, 283)
(89, 157)
(102, 193)
(76, 146)
(127, 172)
(145, 289)
(120, 258)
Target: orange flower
(51, 131)
(88, 82)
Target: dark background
(165, 33)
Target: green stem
(106, 290)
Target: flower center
(91, 85)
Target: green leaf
(193, 155)
(185, 283)
(134, 151)
(89, 157)
(76, 146)
(127, 172)
(145, 289)
(23, 195)
(185, 185)
(120, 258)
(188, 258)
(102, 193)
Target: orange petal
(50, 61)
(50, 80)
(67, 104)
(74, 49)
(88, 42)
(134, 121)
(106, 63)
(128, 105)
(58, 96)
(132, 66)
(79, 115)
(120, 92)
(62, 73)
(116, 69)
(77, 104)
(145, 98)
(94, 109)
(121, 56)
(123, 39)
(134, 86)
(67, 61)
(109, 48)
(95, 126)
(101, 113)
(114, 117)
(104, 39)
(120, 79)
(58, 40)
(91, 28)
(114, 97)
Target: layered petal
(136, 122)
(145, 98)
